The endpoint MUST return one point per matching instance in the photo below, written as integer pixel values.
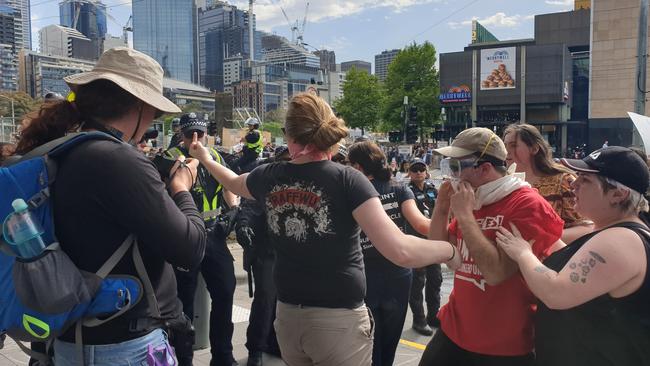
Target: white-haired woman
(594, 294)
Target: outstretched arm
(404, 250)
(415, 218)
(231, 181)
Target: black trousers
(387, 298)
(442, 351)
(219, 275)
(260, 335)
(428, 278)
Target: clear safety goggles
(451, 168)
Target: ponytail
(371, 159)
(52, 121)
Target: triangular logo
(594, 155)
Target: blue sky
(359, 29)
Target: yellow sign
(582, 4)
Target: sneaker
(422, 328)
(254, 359)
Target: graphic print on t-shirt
(390, 203)
(469, 270)
(302, 209)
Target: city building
(327, 59)
(358, 64)
(86, 17)
(8, 69)
(615, 82)
(57, 40)
(166, 31)
(23, 22)
(382, 61)
(223, 34)
(113, 42)
(249, 94)
(9, 29)
(540, 81)
(289, 53)
(39, 74)
(182, 93)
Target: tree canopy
(412, 73)
(362, 101)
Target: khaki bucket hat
(475, 140)
(131, 70)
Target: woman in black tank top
(594, 294)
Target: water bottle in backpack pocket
(22, 232)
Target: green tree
(276, 115)
(23, 104)
(412, 73)
(361, 104)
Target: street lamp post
(406, 116)
(443, 119)
(13, 118)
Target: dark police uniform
(431, 275)
(259, 262)
(217, 268)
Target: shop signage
(498, 68)
(456, 94)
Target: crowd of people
(551, 269)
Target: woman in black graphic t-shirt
(388, 284)
(314, 209)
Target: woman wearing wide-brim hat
(106, 190)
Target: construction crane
(297, 27)
(101, 7)
(128, 27)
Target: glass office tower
(166, 31)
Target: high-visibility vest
(210, 209)
(256, 146)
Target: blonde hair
(310, 120)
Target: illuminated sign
(456, 94)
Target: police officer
(176, 129)
(253, 139)
(259, 259)
(425, 197)
(217, 265)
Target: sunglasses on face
(417, 169)
(190, 134)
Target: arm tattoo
(582, 268)
(543, 270)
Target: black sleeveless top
(603, 331)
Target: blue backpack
(43, 297)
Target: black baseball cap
(615, 162)
(418, 161)
(190, 122)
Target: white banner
(642, 124)
(498, 68)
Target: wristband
(453, 255)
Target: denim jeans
(129, 353)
